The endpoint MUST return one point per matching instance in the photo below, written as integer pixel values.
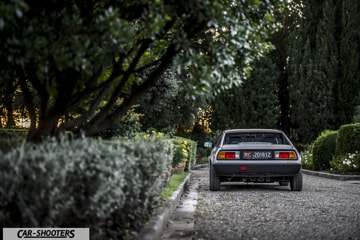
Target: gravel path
(324, 209)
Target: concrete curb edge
(331, 176)
(153, 229)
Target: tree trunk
(8, 104)
(10, 123)
(47, 127)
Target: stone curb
(153, 229)
(331, 176)
(200, 166)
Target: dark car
(255, 155)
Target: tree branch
(137, 92)
(119, 88)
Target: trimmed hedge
(13, 133)
(10, 138)
(347, 155)
(348, 140)
(110, 186)
(324, 150)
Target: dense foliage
(348, 140)
(347, 154)
(253, 104)
(309, 82)
(88, 62)
(324, 58)
(184, 149)
(324, 150)
(110, 186)
(335, 151)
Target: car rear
(257, 160)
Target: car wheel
(214, 180)
(296, 182)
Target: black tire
(296, 182)
(214, 180)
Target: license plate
(257, 155)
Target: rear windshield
(236, 138)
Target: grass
(175, 181)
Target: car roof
(268, 130)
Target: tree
(7, 90)
(261, 103)
(324, 75)
(168, 107)
(280, 57)
(85, 58)
(157, 105)
(254, 104)
(348, 87)
(227, 109)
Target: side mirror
(208, 144)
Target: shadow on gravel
(233, 187)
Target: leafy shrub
(349, 162)
(192, 154)
(348, 140)
(307, 157)
(324, 149)
(10, 138)
(109, 186)
(202, 151)
(128, 126)
(180, 151)
(184, 148)
(13, 133)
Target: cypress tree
(261, 104)
(348, 86)
(314, 60)
(254, 104)
(227, 109)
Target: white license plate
(257, 155)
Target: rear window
(236, 138)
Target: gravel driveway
(324, 209)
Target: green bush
(192, 154)
(128, 126)
(184, 148)
(110, 186)
(323, 150)
(180, 151)
(307, 157)
(348, 140)
(13, 133)
(10, 138)
(349, 162)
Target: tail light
(285, 155)
(229, 155)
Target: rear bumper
(257, 169)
